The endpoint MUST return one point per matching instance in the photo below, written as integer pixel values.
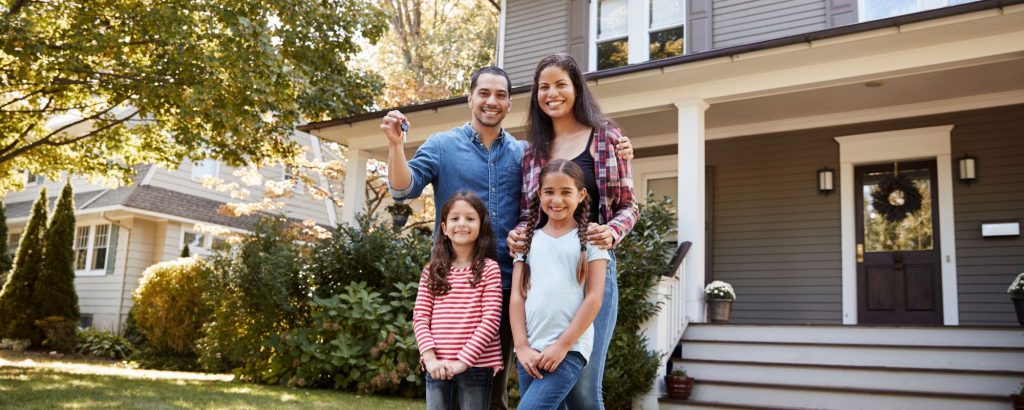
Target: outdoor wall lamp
(826, 178)
(968, 169)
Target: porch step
(707, 393)
(850, 367)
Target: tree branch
(16, 8)
(496, 4)
(46, 140)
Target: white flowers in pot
(1016, 289)
(719, 290)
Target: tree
(93, 87)
(5, 257)
(54, 293)
(17, 312)
(433, 46)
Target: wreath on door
(896, 197)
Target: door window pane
(613, 18)
(666, 13)
(667, 43)
(912, 233)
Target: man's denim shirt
(457, 160)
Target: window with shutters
(92, 244)
(634, 31)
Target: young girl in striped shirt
(557, 289)
(458, 308)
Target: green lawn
(38, 382)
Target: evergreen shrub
(54, 292)
(18, 313)
(641, 258)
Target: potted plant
(399, 213)
(719, 296)
(1018, 399)
(679, 385)
(1016, 292)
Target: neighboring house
(742, 110)
(122, 231)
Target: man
(479, 157)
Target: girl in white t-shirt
(557, 288)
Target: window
(92, 244)
(634, 31)
(289, 175)
(662, 187)
(880, 9)
(12, 244)
(33, 179)
(204, 168)
(194, 240)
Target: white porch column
(355, 185)
(691, 223)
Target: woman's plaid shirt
(617, 207)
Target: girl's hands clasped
(551, 357)
(528, 358)
(437, 369)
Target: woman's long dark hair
(443, 254)
(581, 214)
(539, 128)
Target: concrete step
(709, 393)
(868, 377)
(928, 357)
(862, 334)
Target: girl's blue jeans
(587, 392)
(550, 392)
(469, 390)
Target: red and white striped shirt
(463, 323)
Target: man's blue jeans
(470, 390)
(587, 393)
(550, 392)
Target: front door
(898, 267)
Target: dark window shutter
(841, 12)
(579, 31)
(112, 249)
(698, 26)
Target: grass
(35, 381)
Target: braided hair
(443, 254)
(581, 216)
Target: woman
(565, 122)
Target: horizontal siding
(737, 22)
(985, 267)
(534, 29)
(777, 241)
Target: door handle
(860, 253)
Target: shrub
(168, 304)
(16, 345)
(372, 253)
(359, 339)
(5, 257)
(1016, 288)
(60, 333)
(641, 258)
(17, 312)
(54, 292)
(259, 291)
(98, 343)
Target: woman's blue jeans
(549, 392)
(469, 390)
(587, 392)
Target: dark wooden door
(899, 275)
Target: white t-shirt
(555, 295)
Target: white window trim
(204, 246)
(216, 169)
(91, 248)
(30, 183)
(919, 143)
(637, 32)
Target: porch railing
(664, 330)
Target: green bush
(641, 258)
(92, 342)
(359, 339)
(372, 253)
(257, 292)
(60, 333)
(54, 292)
(17, 312)
(168, 304)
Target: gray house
(123, 231)
(772, 123)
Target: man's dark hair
(489, 70)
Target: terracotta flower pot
(679, 387)
(719, 310)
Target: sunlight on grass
(31, 383)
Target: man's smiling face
(490, 100)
